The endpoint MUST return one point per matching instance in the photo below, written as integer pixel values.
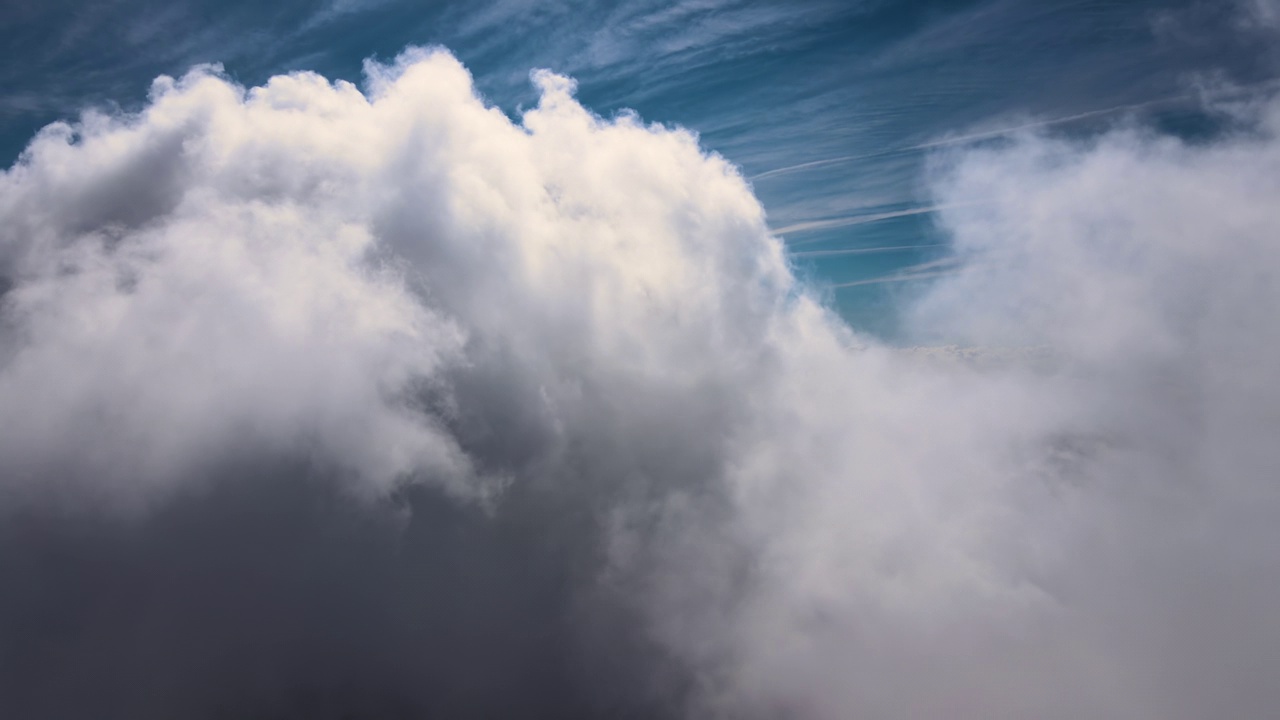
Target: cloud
(321, 400)
(309, 293)
(1261, 13)
(166, 305)
(937, 539)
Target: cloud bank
(329, 402)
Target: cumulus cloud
(372, 291)
(415, 409)
(1083, 531)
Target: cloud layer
(319, 401)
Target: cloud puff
(284, 263)
(1265, 13)
(1087, 533)
(672, 481)
(370, 290)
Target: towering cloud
(321, 402)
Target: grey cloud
(270, 592)
(1265, 13)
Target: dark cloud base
(270, 592)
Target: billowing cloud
(1080, 527)
(320, 401)
(366, 292)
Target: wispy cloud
(828, 223)
(941, 267)
(864, 250)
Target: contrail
(822, 163)
(897, 278)
(865, 251)
(933, 268)
(808, 225)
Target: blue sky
(833, 109)
(322, 401)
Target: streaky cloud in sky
(321, 401)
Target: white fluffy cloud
(1088, 533)
(281, 265)
(405, 285)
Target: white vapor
(405, 285)
(1087, 532)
